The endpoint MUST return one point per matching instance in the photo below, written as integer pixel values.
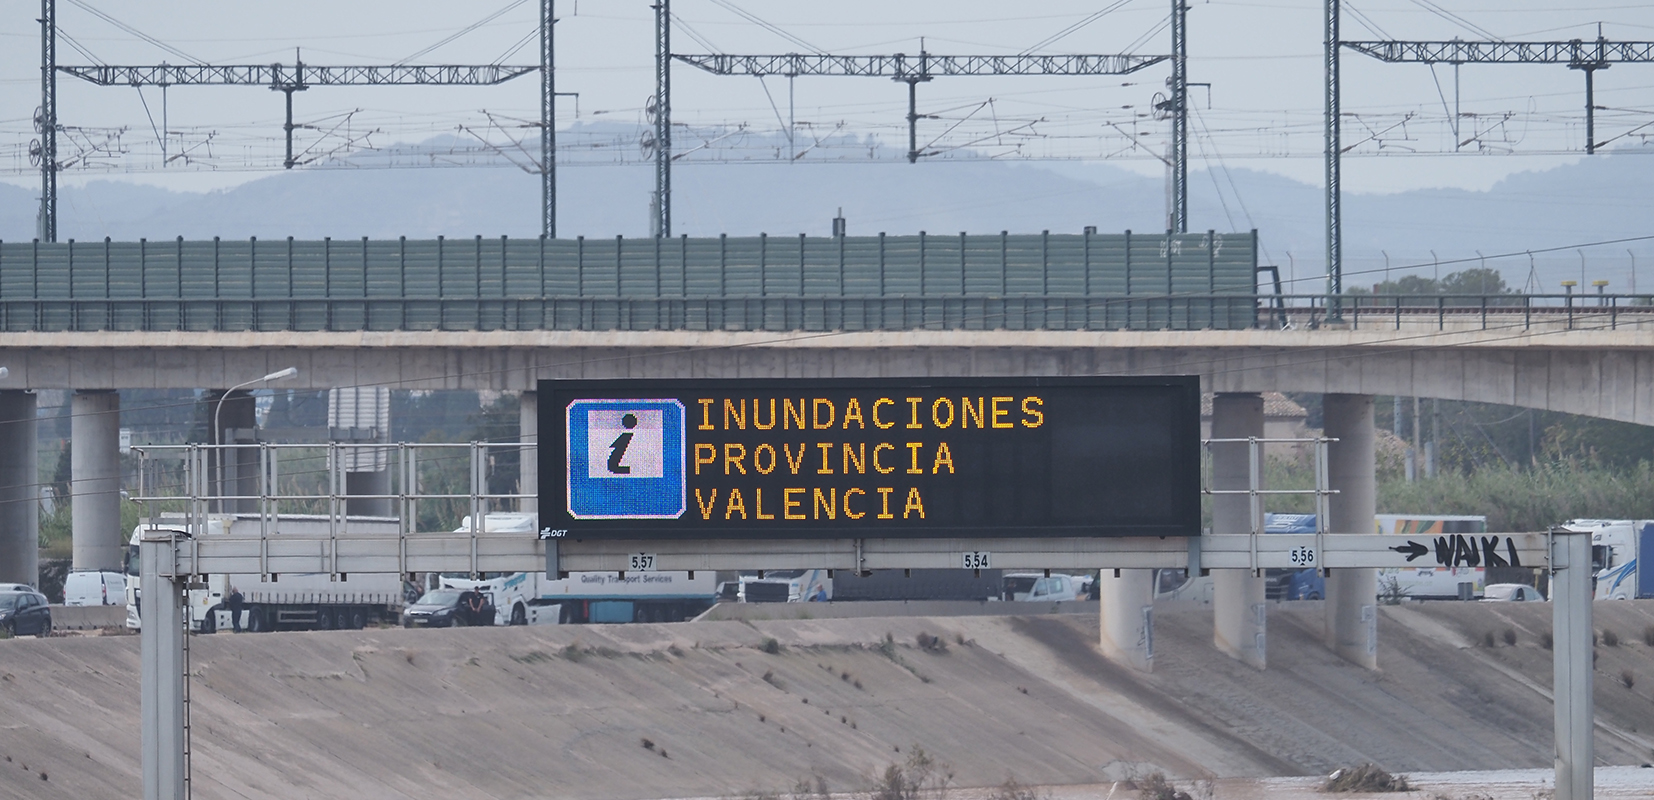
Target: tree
(1474, 281)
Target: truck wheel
(341, 620)
(209, 624)
(358, 619)
(519, 615)
(255, 620)
(324, 619)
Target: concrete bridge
(833, 308)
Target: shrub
(1627, 678)
(1011, 790)
(1365, 778)
(1610, 638)
(1510, 637)
(1156, 787)
(771, 646)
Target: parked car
(445, 608)
(91, 588)
(24, 611)
(1510, 592)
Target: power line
(1074, 28)
(87, 7)
(1436, 9)
(457, 34)
(753, 18)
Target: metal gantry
(281, 78)
(297, 78)
(1585, 56)
(914, 70)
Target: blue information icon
(626, 459)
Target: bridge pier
(232, 416)
(1239, 612)
(19, 489)
(528, 466)
(95, 479)
(1127, 610)
(1352, 594)
(367, 469)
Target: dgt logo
(626, 459)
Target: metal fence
(1087, 281)
(1457, 312)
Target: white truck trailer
(528, 598)
(1430, 581)
(286, 601)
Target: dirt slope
(565, 712)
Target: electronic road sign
(870, 458)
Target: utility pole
(662, 206)
(913, 79)
(287, 88)
(1179, 84)
(1334, 177)
(46, 123)
(1590, 67)
(548, 122)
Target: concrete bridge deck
(1600, 372)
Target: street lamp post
(218, 412)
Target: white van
(94, 589)
(1035, 586)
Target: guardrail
(1451, 311)
(836, 313)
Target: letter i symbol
(617, 449)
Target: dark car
(25, 611)
(444, 608)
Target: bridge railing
(1446, 312)
(984, 312)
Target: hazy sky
(1261, 57)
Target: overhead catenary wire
(1075, 27)
(457, 34)
(775, 29)
(94, 11)
(1435, 8)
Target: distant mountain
(1602, 198)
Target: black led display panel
(870, 458)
